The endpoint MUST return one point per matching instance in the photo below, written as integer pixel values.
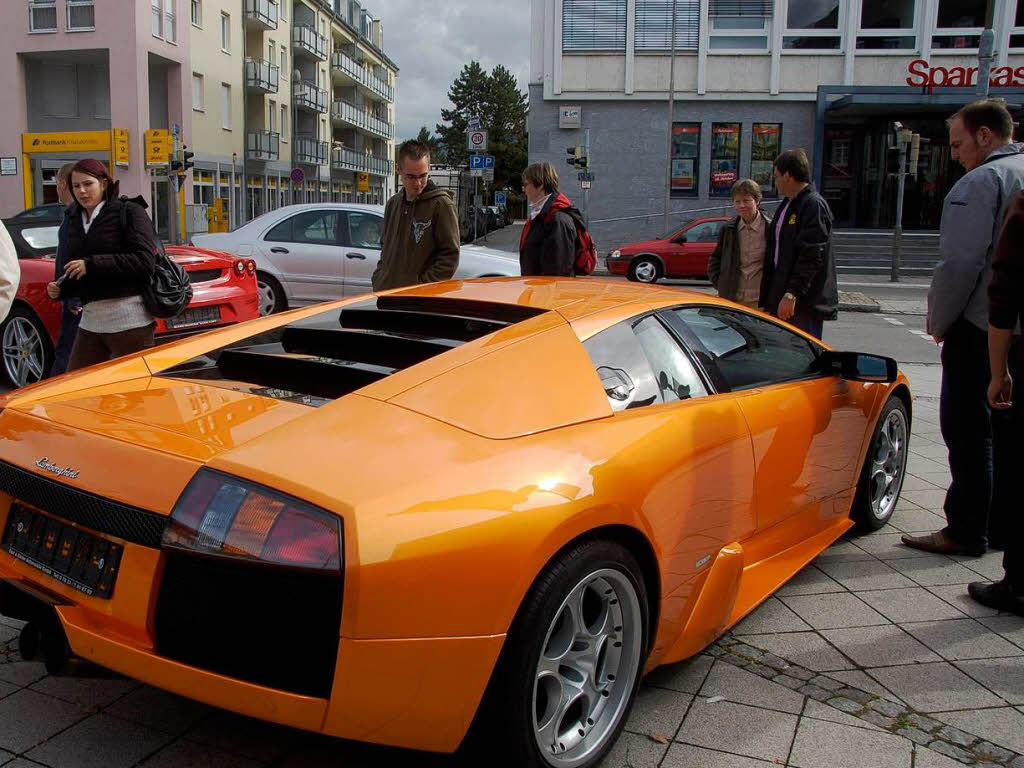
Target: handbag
(169, 290)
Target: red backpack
(585, 259)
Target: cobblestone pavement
(871, 657)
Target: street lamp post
(985, 50)
(671, 116)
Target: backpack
(585, 259)
(169, 290)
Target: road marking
(891, 321)
(922, 334)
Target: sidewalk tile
(912, 482)
(27, 718)
(962, 639)
(160, 710)
(939, 477)
(956, 595)
(16, 624)
(834, 611)
(916, 520)
(820, 711)
(810, 581)
(22, 672)
(931, 500)
(934, 570)
(1004, 727)
(5, 756)
(808, 649)
(989, 566)
(6, 689)
(85, 691)
(7, 633)
(742, 687)
(887, 546)
(860, 679)
(935, 687)
(100, 741)
(630, 751)
(842, 551)
(915, 604)
(876, 646)
(327, 752)
(689, 756)
(928, 450)
(1004, 677)
(245, 736)
(770, 617)
(822, 744)
(659, 711)
(862, 576)
(737, 728)
(189, 754)
(1009, 626)
(684, 676)
(929, 758)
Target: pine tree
(468, 96)
(436, 150)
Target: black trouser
(811, 322)
(65, 339)
(966, 425)
(1006, 519)
(91, 348)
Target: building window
(197, 13)
(887, 25)
(740, 25)
(589, 25)
(765, 146)
(654, 25)
(284, 122)
(685, 158)
(1017, 33)
(272, 115)
(225, 32)
(725, 158)
(959, 24)
(198, 98)
(812, 25)
(157, 18)
(284, 64)
(42, 16)
(170, 22)
(225, 106)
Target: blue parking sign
(480, 162)
(499, 199)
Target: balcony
(263, 145)
(261, 75)
(345, 112)
(310, 96)
(344, 159)
(308, 41)
(261, 14)
(348, 70)
(310, 151)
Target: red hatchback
(223, 292)
(683, 252)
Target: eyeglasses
(415, 176)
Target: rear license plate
(62, 551)
(195, 316)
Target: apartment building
(750, 78)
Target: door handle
(355, 256)
(278, 249)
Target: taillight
(228, 517)
(239, 267)
(250, 267)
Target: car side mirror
(616, 382)
(680, 240)
(858, 366)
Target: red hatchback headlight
(224, 516)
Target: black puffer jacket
(117, 264)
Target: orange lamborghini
(492, 503)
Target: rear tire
(646, 269)
(885, 465)
(272, 298)
(27, 348)
(571, 665)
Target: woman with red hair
(111, 257)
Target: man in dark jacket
(547, 245)
(420, 242)
(799, 280)
(71, 309)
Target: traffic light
(177, 163)
(578, 159)
(186, 158)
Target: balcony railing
(261, 13)
(342, 62)
(350, 160)
(310, 150)
(308, 95)
(308, 40)
(263, 145)
(357, 116)
(261, 75)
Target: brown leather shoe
(940, 544)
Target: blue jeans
(65, 339)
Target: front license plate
(195, 316)
(60, 550)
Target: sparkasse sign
(922, 74)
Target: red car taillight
(222, 515)
(239, 267)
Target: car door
(807, 428)
(361, 235)
(307, 252)
(701, 240)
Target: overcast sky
(430, 42)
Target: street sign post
(476, 141)
(362, 182)
(500, 199)
(473, 123)
(481, 162)
(297, 175)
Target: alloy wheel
(587, 668)
(646, 271)
(268, 299)
(887, 464)
(23, 352)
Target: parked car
(32, 238)
(480, 502)
(683, 252)
(223, 293)
(321, 251)
(48, 212)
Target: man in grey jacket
(981, 140)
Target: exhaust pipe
(42, 637)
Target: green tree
(436, 150)
(468, 95)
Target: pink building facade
(72, 66)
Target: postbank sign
(72, 141)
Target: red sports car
(224, 292)
(683, 252)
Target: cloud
(430, 43)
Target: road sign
(477, 162)
(585, 176)
(297, 175)
(476, 172)
(477, 140)
(362, 182)
(488, 174)
(585, 184)
(158, 146)
(500, 198)
(121, 147)
(474, 123)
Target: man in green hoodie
(420, 242)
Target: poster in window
(685, 154)
(725, 158)
(766, 145)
